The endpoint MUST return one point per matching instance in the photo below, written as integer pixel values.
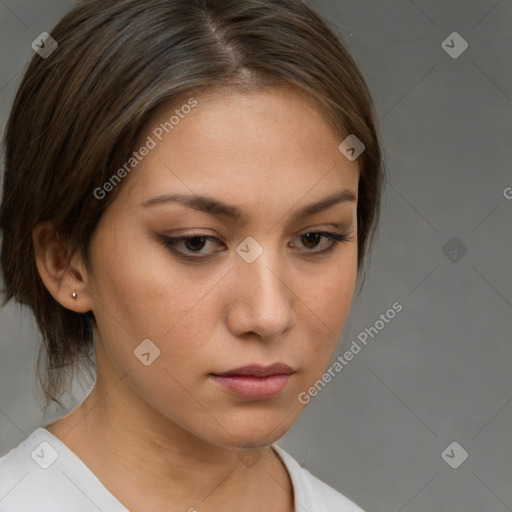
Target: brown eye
(190, 247)
(195, 243)
(312, 239)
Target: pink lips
(255, 382)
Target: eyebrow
(216, 207)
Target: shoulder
(41, 474)
(311, 494)
(21, 481)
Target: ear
(61, 280)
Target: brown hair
(79, 112)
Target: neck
(150, 463)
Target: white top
(42, 474)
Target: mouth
(255, 370)
(255, 382)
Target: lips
(255, 370)
(255, 382)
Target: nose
(262, 302)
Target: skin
(165, 436)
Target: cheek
(323, 306)
(142, 288)
(329, 294)
(154, 297)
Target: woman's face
(253, 289)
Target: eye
(191, 247)
(313, 238)
(192, 244)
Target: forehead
(267, 143)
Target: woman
(191, 189)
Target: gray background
(440, 370)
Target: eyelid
(335, 238)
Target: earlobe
(63, 279)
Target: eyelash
(171, 242)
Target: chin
(245, 440)
(246, 429)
